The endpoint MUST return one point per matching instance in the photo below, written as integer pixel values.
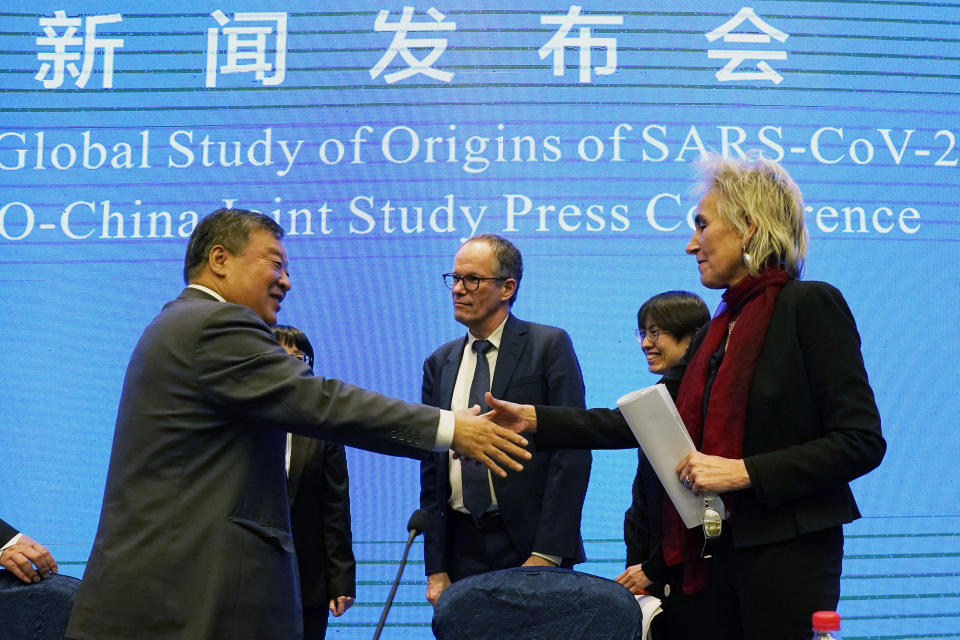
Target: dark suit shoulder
(204, 330)
(808, 295)
(800, 290)
(535, 329)
(514, 325)
(198, 304)
(814, 306)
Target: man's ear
(218, 259)
(509, 288)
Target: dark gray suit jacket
(541, 505)
(194, 535)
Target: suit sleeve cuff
(14, 540)
(444, 431)
(557, 560)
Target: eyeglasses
(653, 334)
(712, 521)
(470, 282)
(301, 356)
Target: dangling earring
(747, 258)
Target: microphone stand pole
(396, 583)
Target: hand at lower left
(340, 604)
(537, 561)
(28, 560)
(712, 473)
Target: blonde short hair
(761, 191)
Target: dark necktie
(476, 487)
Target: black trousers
(683, 614)
(315, 623)
(764, 592)
(474, 547)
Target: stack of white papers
(657, 425)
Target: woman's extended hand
(519, 418)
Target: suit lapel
(512, 342)
(443, 397)
(448, 376)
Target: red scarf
(720, 432)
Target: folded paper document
(657, 425)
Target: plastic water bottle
(826, 625)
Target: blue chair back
(529, 603)
(35, 611)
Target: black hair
(680, 313)
(288, 335)
(227, 227)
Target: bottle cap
(826, 621)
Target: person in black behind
(318, 488)
(666, 324)
(775, 397)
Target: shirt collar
(494, 337)
(209, 292)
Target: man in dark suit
(194, 536)
(480, 523)
(23, 556)
(318, 487)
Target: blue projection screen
(380, 135)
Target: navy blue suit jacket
(541, 506)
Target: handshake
(494, 437)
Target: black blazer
(642, 522)
(319, 492)
(6, 533)
(542, 505)
(812, 424)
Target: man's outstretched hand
(481, 440)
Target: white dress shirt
(461, 396)
(14, 540)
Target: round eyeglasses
(652, 334)
(470, 282)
